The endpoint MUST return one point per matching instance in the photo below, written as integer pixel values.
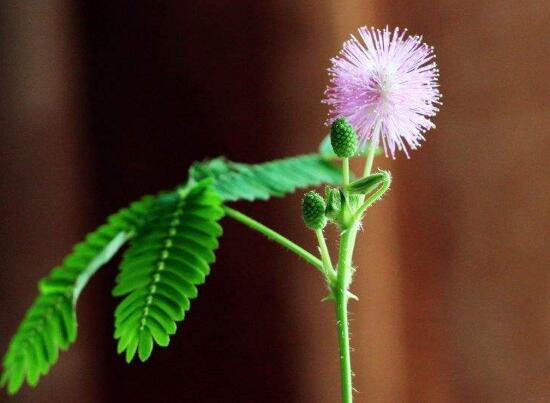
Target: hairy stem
(345, 271)
(330, 274)
(341, 294)
(345, 171)
(275, 236)
(371, 151)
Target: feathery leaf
(169, 256)
(50, 324)
(236, 181)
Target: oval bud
(334, 203)
(313, 211)
(343, 138)
(369, 183)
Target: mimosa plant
(383, 92)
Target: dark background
(102, 102)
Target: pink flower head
(385, 86)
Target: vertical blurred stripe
(42, 173)
(475, 216)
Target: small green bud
(334, 203)
(340, 206)
(354, 201)
(346, 212)
(343, 138)
(313, 211)
(369, 183)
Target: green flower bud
(313, 211)
(334, 203)
(369, 183)
(343, 138)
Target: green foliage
(166, 260)
(50, 324)
(173, 237)
(235, 181)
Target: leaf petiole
(275, 236)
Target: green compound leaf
(235, 181)
(169, 256)
(50, 324)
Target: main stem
(342, 297)
(341, 290)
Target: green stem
(341, 294)
(341, 290)
(371, 151)
(345, 171)
(343, 344)
(330, 274)
(275, 236)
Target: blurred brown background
(104, 101)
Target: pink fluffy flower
(385, 85)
